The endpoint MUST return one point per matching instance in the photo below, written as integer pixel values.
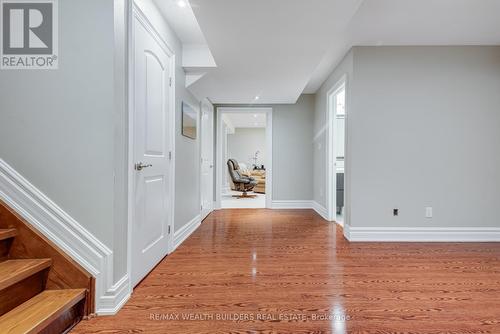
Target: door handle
(140, 166)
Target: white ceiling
(413, 22)
(265, 48)
(182, 20)
(278, 49)
(246, 119)
(196, 56)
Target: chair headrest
(233, 164)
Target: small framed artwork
(189, 121)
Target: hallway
(290, 271)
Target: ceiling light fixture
(255, 115)
(181, 3)
(257, 97)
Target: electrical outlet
(395, 212)
(428, 212)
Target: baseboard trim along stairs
(51, 221)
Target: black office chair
(241, 183)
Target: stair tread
(14, 271)
(35, 314)
(7, 233)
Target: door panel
(150, 241)
(151, 231)
(207, 159)
(155, 86)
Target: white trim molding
(422, 234)
(293, 204)
(321, 210)
(115, 297)
(60, 228)
(185, 231)
(302, 204)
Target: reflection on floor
(290, 271)
(230, 202)
(340, 217)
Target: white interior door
(207, 159)
(152, 202)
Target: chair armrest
(244, 180)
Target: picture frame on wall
(189, 121)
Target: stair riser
(4, 248)
(20, 292)
(28, 243)
(66, 321)
(42, 290)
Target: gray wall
(120, 226)
(423, 128)
(56, 127)
(425, 131)
(293, 149)
(187, 166)
(320, 127)
(68, 138)
(243, 144)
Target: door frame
(136, 12)
(220, 164)
(208, 103)
(331, 154)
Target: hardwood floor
(289, 271)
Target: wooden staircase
(46, 293)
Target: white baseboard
(184, 232)
(302, 204)
(292, 204)
(444, 234)
(60, 228)
(115, 297)
(321, 210)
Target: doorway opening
(244, 150)
(336, 115)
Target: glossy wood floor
(291, 272)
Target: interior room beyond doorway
(244, 159)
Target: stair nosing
(7, 233)
(41, 265)
(48, 318)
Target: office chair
(241, 183)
